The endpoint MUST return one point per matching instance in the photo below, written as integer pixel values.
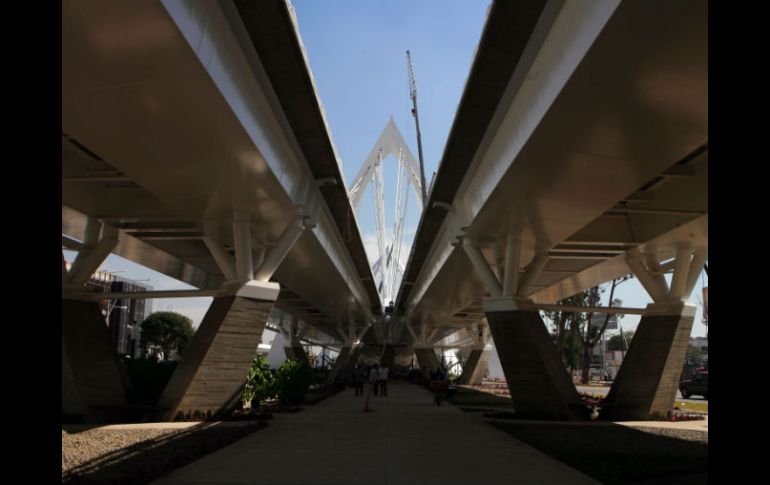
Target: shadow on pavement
(615, 454)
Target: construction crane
(413, 95)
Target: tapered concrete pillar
(219, 356)
(297, 352)
(648, 379)
(539, 383)
(353, 357)
(389, 357)
(481, 368)
(474, 367)
(339, 364)
(94, 381)
(427, 360)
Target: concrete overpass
(579, 154)
(194, 143)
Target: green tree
(571, 349)
(696, 356)
(590, 332)
(576, 334)
(617, 342)
(168, 330)
(563, 323)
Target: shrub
(292, 381)
(149, 378)
(260, 382)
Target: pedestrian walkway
(406, 439)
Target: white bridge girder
(539, 219)
(228, 166)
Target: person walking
(372, 383)
(438, 385)
(382, 376)
(359, 377)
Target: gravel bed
(85, 446)
(137, 456)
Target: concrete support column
(353, 357)
(648, 379)
(389, 357)
(539, 383)
(427, 360)
(297, 352)
(341, 363)
(216, 363)
(481, 368)
(469, 369)
(94, 382)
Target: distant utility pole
(413, 94)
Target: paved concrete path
(405, 440)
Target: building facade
(126, 316)
(123, 317)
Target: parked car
(699, 384)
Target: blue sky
(357, 53)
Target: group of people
(376, 375)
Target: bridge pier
(294, 350)
(476, 363)
(353, 358)
(389, 357)
(648, 379)
(341, 363)
(94, 382)
(220, 353)
(470, 367)
(427, 360)
(539, 384)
